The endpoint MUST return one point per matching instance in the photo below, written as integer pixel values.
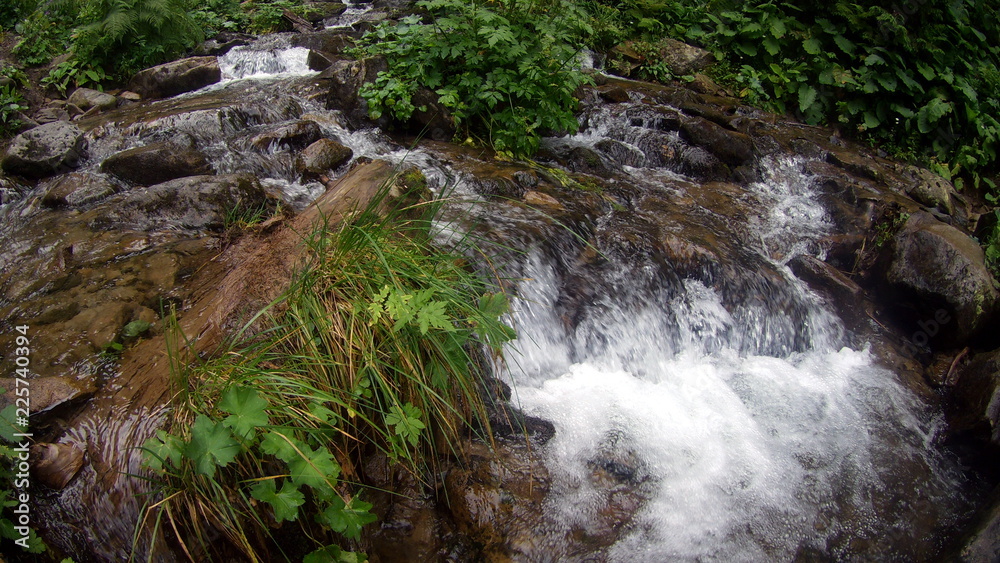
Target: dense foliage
(506, 70)
(368, 350)
(113, 39)
(919, 79)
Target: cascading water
(707, 404)
(715, 426)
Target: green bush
(124, 36)
(507, 71)
(11, 104)
(368, 350)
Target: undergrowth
(373, 348)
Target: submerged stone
(46, 150)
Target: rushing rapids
(707, 403)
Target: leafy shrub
(506, 71)
(369, 349)
(125, 36)
(73, 73)
(11, 104)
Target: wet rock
(324, 155)
(984, 544)
(344, 79)
(614, 94)
(622, 153)
(320, 61)
(51, 114)
(45, 150)
(176, 77)
(47, 392)
(704, 85)
(77, 189)
(330, 41)
(100, 324)
(434, 120)
(586, 160)
(195, 202)
(539, 199)
(856, 164)
(730, 147)
(222, 44)
(934, 192)
(55, 465)
(319, 11)
(683, 59)
(976, 397)
(156, 163)
(296, 135)
(934, 267)
(86, 98)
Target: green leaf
(777, 28)
(135, 328)
(347, 518)
(871, 120)
(930, 114)
(406, 420)
(807, 97)
(315, 468)
(494, 305)
(247, 411)
(812, 46)
(844, 43)
(434, 314)
(874, 59)
(771, 45)
(332, 554)
(161, 448)
(279, 446)
(211, 445)
(285, 502)
(8, 425)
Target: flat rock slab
(156, 163)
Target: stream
(708, 405)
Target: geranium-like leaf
(278, 445)
(315, 468)
(347, 518)
(285, 502)
(211, 445)
(162, 448)
(247, 411)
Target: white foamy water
(734, 453)
(242, 63)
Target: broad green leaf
(285, 502)
(160, 448)
(844, 43)
(211, 445)
(807, 97)
(931, 113)
(777, 28)
(347, 518)
(771, 45)
(8, 423)
(494, 305)
(812, 46)
(871, 120)
(277, 445)
(315, 468)
(247, 411)
(874, 59)
(135, 328)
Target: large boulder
(176, 77)
(937, 274)
(195, 202)
(45, 150)
(683, 59)
(324, 155)
(156, 163)
(935, 193)
(344, 80)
